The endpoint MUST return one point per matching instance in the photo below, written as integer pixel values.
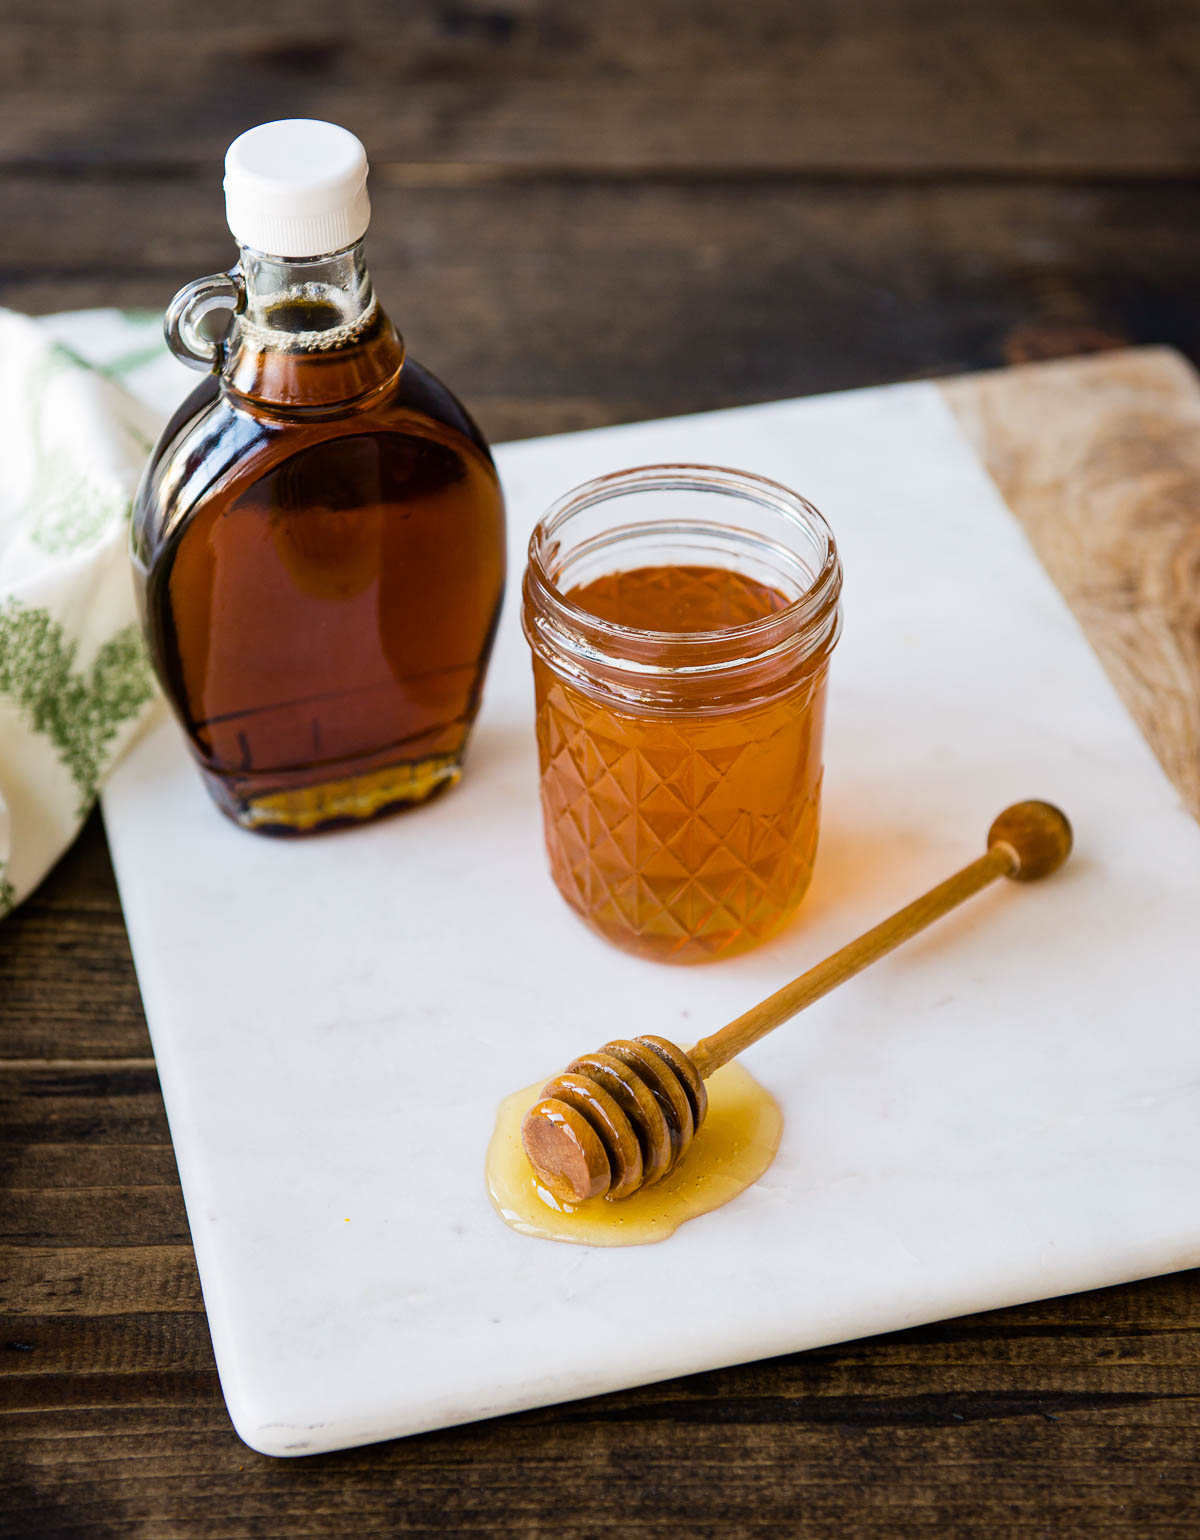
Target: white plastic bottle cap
(296, 188)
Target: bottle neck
(309, 294)
(309, 332)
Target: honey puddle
(735, 1145)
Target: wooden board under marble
(1099, 459)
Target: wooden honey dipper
(620, 1119)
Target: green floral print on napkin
(84, 395)
(78, 712)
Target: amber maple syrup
(319, 544)
(734, 1146)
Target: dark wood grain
(1016, 1423)
(902, 86)
(586, 214)
(67, 987)
(565, 303)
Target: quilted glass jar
(681, 619)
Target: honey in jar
(682, 620)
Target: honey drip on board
(733, 1148)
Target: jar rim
(796, 616)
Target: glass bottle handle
(183, 322)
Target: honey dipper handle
(1027, 841)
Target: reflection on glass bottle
(319, 536)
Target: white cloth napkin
(82, 398)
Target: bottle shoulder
(214, 423)
(418, 390)
(216, 441)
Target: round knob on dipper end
(1038, 836)
(565, 1151)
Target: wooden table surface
(590, 214)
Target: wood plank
(62, 1103)
(109, 1216)
(884, 85)
(568, 303)
(145, 1389)
(1100, 461)
(51, 1167)
(96, 1281)
(67, 986)
(767, 1445)
(172, 1341)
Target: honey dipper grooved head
(1039, 836)
(565, 1151)
(618, 1120)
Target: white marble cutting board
(1006, 1109)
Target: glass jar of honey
(681, 619)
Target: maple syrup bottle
(318, 539)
